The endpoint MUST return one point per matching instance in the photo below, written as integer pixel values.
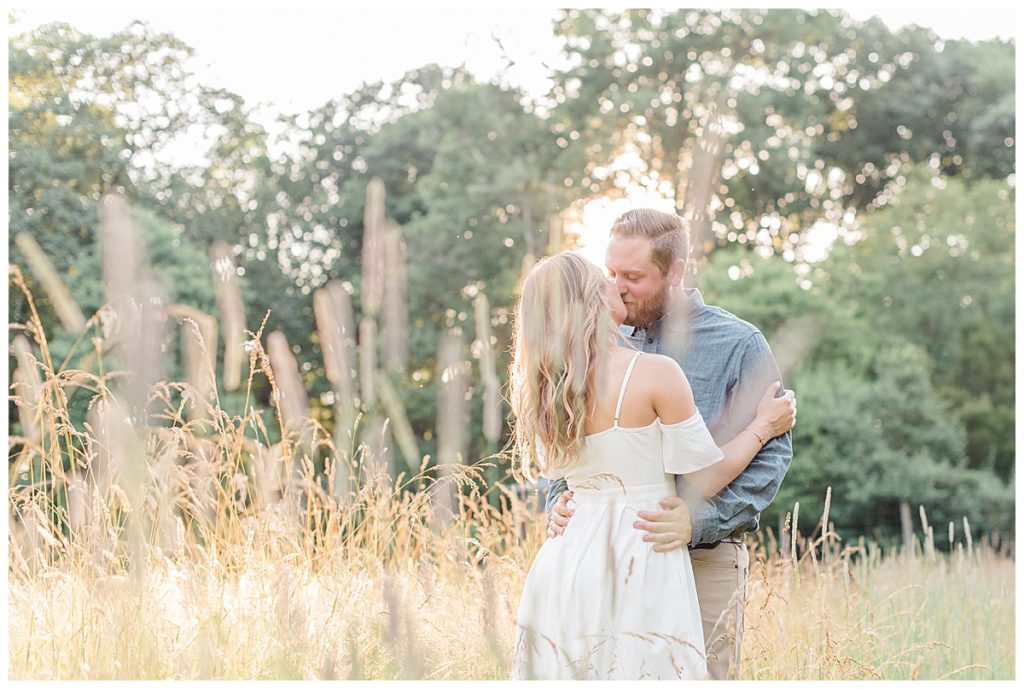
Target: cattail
(139, 313)
(524, 269)
(793, 341)
(122, 251)
(555, 235)
(373, 247)
(395, 315)
(64, 305)
(924, 519)
(294, 403)
(678, 331)
(707, 160)
(199, 351)
(395, 611)
(907, 528)
(135, 299)
(451, 413)
(367, 361)
(119, 468)
(967, 537)
(267, 463)
(796, 529)
(824, 523)
(451, 403)
(100, 470)
(488, 370)
(404, 436)
(168, 482)
(78, 503)
(232, 313)
(29, 386)
(824, 515)
(333, 310)
(488, 610)
(147, 353)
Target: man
(729, 366)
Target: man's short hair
(666, 231)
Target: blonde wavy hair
(562, 331)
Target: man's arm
(557, 506)
(555, 488)
(738, 505)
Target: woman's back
(637, 408)
(625, 440)
(599, 602)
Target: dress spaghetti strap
(622, 390)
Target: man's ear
(676, 272)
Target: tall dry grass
(292, 583)
(392, 598)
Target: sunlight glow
(590, 227)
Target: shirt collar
(692, 301)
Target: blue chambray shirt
(729, 366)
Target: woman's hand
(775, 415)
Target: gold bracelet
(756, 435)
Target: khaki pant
(721, 577)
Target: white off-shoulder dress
(599, 602)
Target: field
(262, 601)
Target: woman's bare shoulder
(657, 365)
(657, 371)
(666, 386)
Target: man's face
(644, 288)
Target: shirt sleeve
(737, 506)
(555, 488)
(688, 446)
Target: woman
(599, 602)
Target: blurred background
(850, 176)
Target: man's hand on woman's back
(669, 529)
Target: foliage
(937, 268)
(908, 346)
(821, 114)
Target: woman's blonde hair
(562, 332)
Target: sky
(297, 58)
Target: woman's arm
(673, 402)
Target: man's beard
(641, 314)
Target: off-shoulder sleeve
(688, 446)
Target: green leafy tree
(937, 268)
(464, 167)
(819, 115)
(874, 424)
(87, 115)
